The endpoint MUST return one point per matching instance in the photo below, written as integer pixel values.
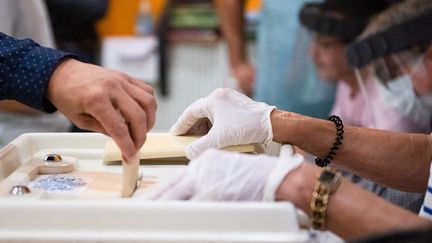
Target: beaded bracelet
(338, 141)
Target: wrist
(237, 57)
(237, 66)
(298, 186)
(284, 124)
(63, 70)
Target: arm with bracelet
(228, 118)
(349, 211)
(337, 204)
(366, 152)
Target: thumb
(286, 151)
(190, 116)
(201, 145)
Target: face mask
(400, 95)
(426, 101)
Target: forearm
(396, 160)
(231, 18)
(352, 212)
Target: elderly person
(400, 161)
(333, 25)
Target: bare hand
(106, 101)
(245, 75)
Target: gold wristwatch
(327, 182)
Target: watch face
(327, 176)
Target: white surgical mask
(400, 95)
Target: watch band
(327, 182)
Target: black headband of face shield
(416, 31)
(317, 20)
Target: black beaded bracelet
(338, 141)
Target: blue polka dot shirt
(25, 70)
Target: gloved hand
(226, 176)
(227, 118)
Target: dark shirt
(25, 70)
(74, 26)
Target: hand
(226, 176)
(228, 118)
(245, 75)
(106, 101)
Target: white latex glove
(227, 118)
(226, 176)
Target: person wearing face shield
(333, 25)
(397, 160)
(401, 63)
(330, 27)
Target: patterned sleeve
(25, 70)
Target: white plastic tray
(50, 219)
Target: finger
(201, 145)
(142, 85)
(113, 123)
(286, 151)
(134, 115)
(88, 122)
(200, 128)
(145, 100)
(190, 116)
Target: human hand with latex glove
(225, 117)
(227, 176)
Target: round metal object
(52, 158)
(19, 190)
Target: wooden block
(161, 148)
(130, 176)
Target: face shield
(397, 61)
(311, 86)
(320, 50)
(323, 38)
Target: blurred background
(176, 46)
(184, 48)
